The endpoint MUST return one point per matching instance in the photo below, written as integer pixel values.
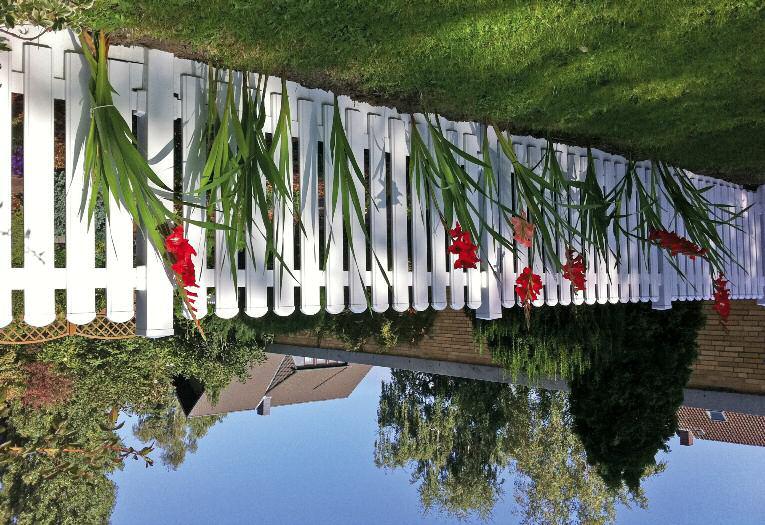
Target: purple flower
(17, 162)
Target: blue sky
(313, 464)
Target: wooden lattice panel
(103, 328)
(20, 333)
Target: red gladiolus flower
(574, 269)
(462, 246)
(722, 298)
(676, 244)
(180, 252)
(528, 285)
(523, 230)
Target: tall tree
(460, 438)
(625, 405)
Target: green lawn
(680, 81)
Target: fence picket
(491, 306)
(378, 212)
(6, 307)
(308, 132)
(357, 264)
(399, 229)
(456, 275)
(601, 285)
(333, 272)
(473, 171)
(154, 304)
(193, 158)
(507, 256)
(119, 228)
(80, 231)
(39, 303)
(521, 251)
(420, 278)
(284, 229)
(561, 153)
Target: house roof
(743, 429)
(286, 383)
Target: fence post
(760, 241)
(154, 304)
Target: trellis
(156, 89)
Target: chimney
(686, 437)
(264, 408)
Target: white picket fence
(159, 88)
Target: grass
(677, 81)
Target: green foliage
(459, 438)
(387, 329)
(240, 177)
(48, 14)
(558, 341)
(625, 408)
(114, 166)
(132, 375)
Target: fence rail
(156, 88)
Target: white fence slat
(561, 154)
(193, 114)
(473, 171)
(748, 242)
(308, 131)
(80, 235)
(420, 279)
(624, 253)
(456, 275)
(634, 262)
(730, 241)
(668, 282)
(491, 306)
(601, 288)
(399, 228)
(644, 278)
(154, 305)
(255, 264)
(284, 229)
(534, 161)
(590, 291)
(378, 212)
(573, 172)
(742, 236)
(357, 264)
(613, 249)
(333, 272)
(226, 289)
(120, 297)
(39, 302)
(438, 255)
(702, 271)
(551, 276)
(6, 308)
(749, 200)
(653, 254)
(759, 247)
(505, 177)
(521, 251)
